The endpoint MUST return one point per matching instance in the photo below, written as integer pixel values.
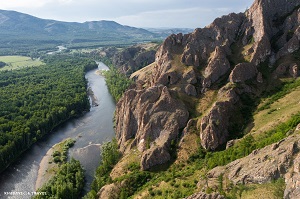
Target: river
(90, 130)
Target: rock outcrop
(216, 68)
(281, 159)
(150, 118)
(110, 191)
(243, 72)
(133, 58)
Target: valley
(211, 113)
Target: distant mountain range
(18, 30)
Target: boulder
(243, 72)
(294, 70)
(110, 191)
(190, 90)
(154, 156)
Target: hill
(22, 31)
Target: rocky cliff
(231, 49)
(133, 58)
(210, 76)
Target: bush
(56, 159)
(56, 153)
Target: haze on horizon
(137, 13)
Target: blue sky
(138, 13)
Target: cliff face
(226, 55)
(134, 58)
(150, 120)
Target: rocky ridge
(236, 57)
(229, 50)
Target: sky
(137, 13)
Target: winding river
(89, 131)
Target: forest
(67, 183)
(35, 100)
(116, 82)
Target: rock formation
(225, 55)
(133, 58)
(281, 159)
(149, 118)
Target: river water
(90, 130)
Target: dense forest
(116, 82)
(35, 100)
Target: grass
(276, 109)
(272, 190)
(18, 62)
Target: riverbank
(43, 174)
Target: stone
(294, 70)
(190, 90)
(297, 128)
(154, 156)
(243, 72)
(202, 195)
(111, 191)
(213, 129)
(281, 159)
(231, 143)
(259, 78)
(190, 77)
(216, 68)
(292, 179)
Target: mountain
(19, 30)
(216, 95)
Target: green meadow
(18, 62)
